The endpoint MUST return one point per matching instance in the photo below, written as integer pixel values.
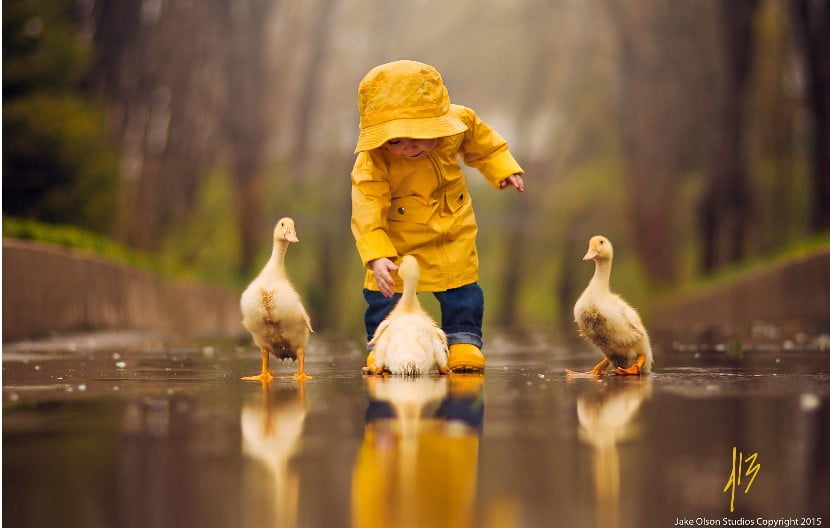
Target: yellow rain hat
(403, 99)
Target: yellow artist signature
(752, 469)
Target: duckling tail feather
(410, 369)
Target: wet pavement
(135, 431)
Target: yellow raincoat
(422, 208)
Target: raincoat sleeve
(371, 198)
(484, 149)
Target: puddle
(143, 433)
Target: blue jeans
(467, 409)
(462, 310)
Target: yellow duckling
(272, 310)
(608, 322)
(408, 342)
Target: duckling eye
(601, 242)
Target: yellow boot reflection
(271, 429)
(418, 463)
(605, 411)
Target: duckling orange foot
(598, 370)
(570, 372)
(633, 370)
(265, 375)
(300, 375)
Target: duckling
(608, 322)
(408, 341)
(606, 413)
(408, 396)
(272, 310)
(272, 427)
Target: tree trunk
(247, 125)
(184, 84)
(518, 231)
(651, 90)
(811, 21)
(311, 85)
(726, 211)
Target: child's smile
(411, 149)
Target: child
(409, 197)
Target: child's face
(411, 149)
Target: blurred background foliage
(693, 133)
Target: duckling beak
(291, 236)
(591, 254)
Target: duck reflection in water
(271, 427)
(418, 463)
(605, 409)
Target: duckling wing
(624, 322)
(380, 331)
(439, 345)
(282, 324)
(634, 322)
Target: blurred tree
(623, 132)
(186, 85)
(811, 19)
(778, 119)
(201, 242)
(662, 105)
(58, 165)
(247, 125)
(726, 210)
(532, 98)
(161, 89)
(311, 80)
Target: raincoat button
(401, 210)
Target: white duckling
(409, 397)
(272, 310)
(408, 342)
(608, 322)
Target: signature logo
(751, 470)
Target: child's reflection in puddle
(418, 463)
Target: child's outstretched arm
(514, 180)
(484, 149)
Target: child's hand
(381, 268)
(514, 180)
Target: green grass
(738, 271)
(81, 240)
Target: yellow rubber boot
(370, 361)
(466, 384)
(465, 357)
